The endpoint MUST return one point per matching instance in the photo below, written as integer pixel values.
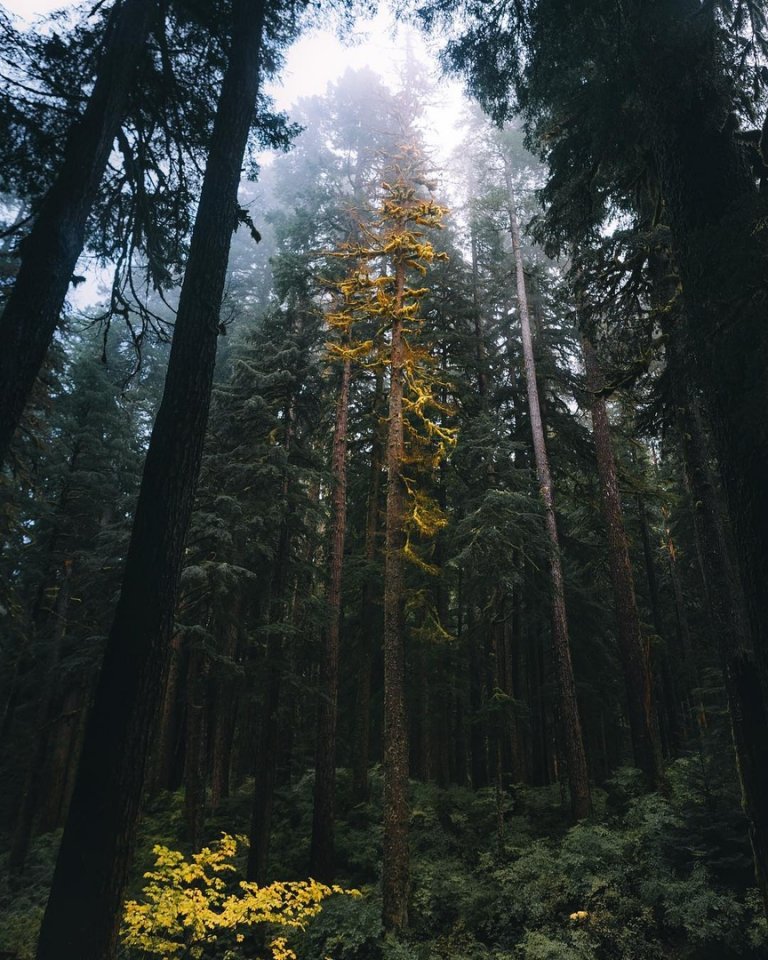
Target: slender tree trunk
(33, 784)
(83, 911)
(225, 694)
(520, 669)
(635, 657)
(265, 771)
(368, 610)
(480, 353)
(163, 761)
(196, 747)
(672, 728)
(478, 694)
(50, 252)
(61, 753)
(395, 880)
(321, 857)
(459, 766)
(578, 777)
(514, 745)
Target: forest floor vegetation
(496, 875)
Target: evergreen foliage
(359, 670)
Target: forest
(383, 521)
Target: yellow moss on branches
(187, 905)
(376, 292)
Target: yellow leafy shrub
(187, 905)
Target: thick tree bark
(396, 869)
(83, 911)
(578, 777)
(635, 657)
(322, 857)
(50, 252)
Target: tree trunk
(33, 783)
(506, 653)
(673, 727)
(64, 746)
(226, 695)
(265, 769)
(368, 611)
(395, 880)
(480, 353)
(321, 857)
(459, 755)
(195, 750)
(83, 911)
(578, 777)
(50, 252)
(635, 657)
(163, 774)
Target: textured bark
(321, 857)
(83, 911)
(50, 252)
(635, 656)
(396, 870)
(573, 744)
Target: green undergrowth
(649, 877)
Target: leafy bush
(189, 910)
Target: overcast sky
(319, 58)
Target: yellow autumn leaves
(372, 295)
(187, 905)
